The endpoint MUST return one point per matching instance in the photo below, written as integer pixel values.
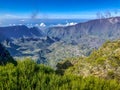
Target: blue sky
(56, 8)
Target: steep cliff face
(5, 56)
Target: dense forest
(99, 71)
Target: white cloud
(22, 20)
(50, 16)
(42, 25)
(36, 25)
(73, 16)
(20, 24)
(113, 20)
(70, 24)
(14, 24)
(63, 25)
(11, 16)
(10, 24)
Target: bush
(28, 75)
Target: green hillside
(104, 62)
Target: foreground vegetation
(28, 75)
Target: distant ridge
(108, 28)
(19, 31)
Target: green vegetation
(104, 62)
(28, 75)
(99, 71)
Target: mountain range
(53, 44)
(95, 29)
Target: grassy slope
(104, 62)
